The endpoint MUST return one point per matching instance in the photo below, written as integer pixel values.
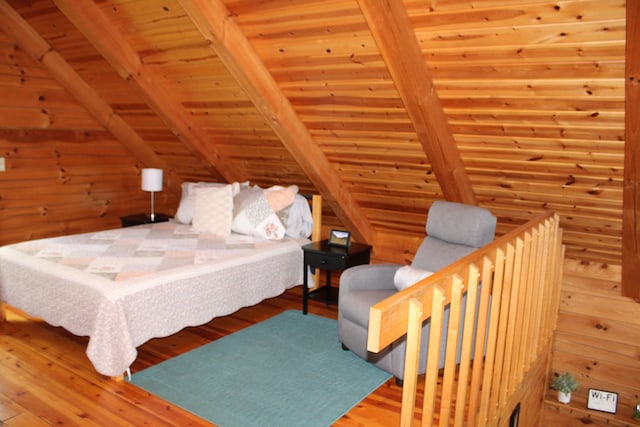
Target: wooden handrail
(512, 291)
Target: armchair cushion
(364, 285)
(360, 303)
(368, 277)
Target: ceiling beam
(392, 30)
(228, 41)
(28, 39)
(114, 47)
(631, 189)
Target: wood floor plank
(83, 400)
(25, 419)
(8, 409)
(47, 377)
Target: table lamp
(152, 181)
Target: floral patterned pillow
(253, 215)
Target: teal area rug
(289, 370)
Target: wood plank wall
(60, 182)
(64, 172)
(598, 341)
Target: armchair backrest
(453, 231)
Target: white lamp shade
(152, 179)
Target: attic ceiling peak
(228, 41)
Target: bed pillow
(280, 198)
(185, 211)
(408, 275)
(213, 209)
(184, 214)
(253, 215)
(299, 219)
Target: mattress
(125, 286)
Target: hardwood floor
(46, 378)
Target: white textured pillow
(408, 275)
(185, 211)
(213, 210)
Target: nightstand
(137, 219)
(329, 258)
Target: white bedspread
(123, 287)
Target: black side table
(321, 255)
(138, 219)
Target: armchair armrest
(368, 277)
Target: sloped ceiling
(382, 107)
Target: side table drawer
(324, 261)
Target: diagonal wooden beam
(631, 189)
(392, 30)
(218, 27)
(28, 39)
(114, 47)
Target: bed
(125, 286)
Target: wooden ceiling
(382, 107)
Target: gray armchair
(453, 231)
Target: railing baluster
(414, 328)
(452, 332)
(433, 356)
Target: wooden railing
(512, 291)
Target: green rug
(286, 371)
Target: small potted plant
(564, 383)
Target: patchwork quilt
(125, 286)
